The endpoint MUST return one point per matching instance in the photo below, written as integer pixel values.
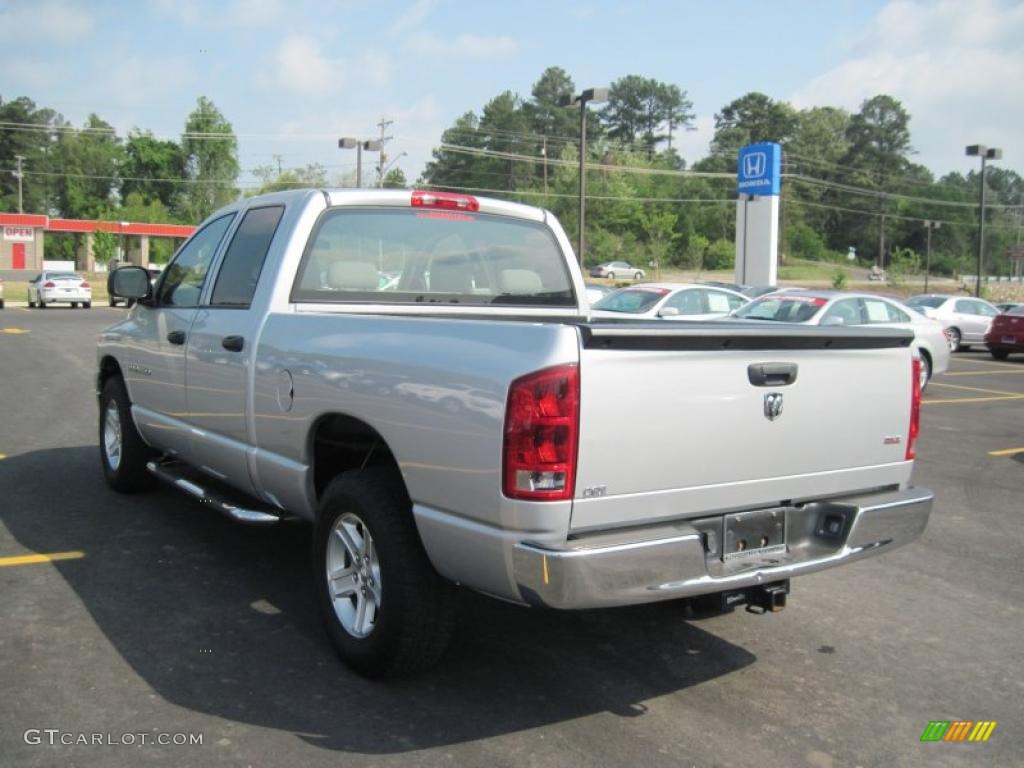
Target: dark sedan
(1006, 335)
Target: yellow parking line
(1006, 452)
(31, 559)
(14, 331)
(3, 456)
(974, 389)
(970, 400)
(1019, 371)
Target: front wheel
(611, 275)
(953, 334)
(123, 453)
(386, 610)
(637, 276)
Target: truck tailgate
(673, 425)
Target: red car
(1006, 334)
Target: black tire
(112, 301)
(31, 304)
(637, 276)
(926, 365)
(42, 304)
(1, 303)
(1000, 354)
(955, 340)
(86, 305)
(130, 475)
(416, 616)
(74, 305)
(611, 275)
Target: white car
(965, 318)
(617, 270)
(835, 308)
(59, 288)
(670, 301)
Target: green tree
(90, 162)
(677, 110)
(638, 110)
(750, 119)
(395, 179)
(35, 145)
(312, 175)
(154, 169)
(879, 139)
(211, 160)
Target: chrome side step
(184, 478)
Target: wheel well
(108, 370)
(341, 443)
(926, 355)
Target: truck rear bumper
(680, 560)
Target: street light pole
(929, 226)
(19, 174)
(596, 95)
(985, 153)
(370, 145)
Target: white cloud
(468, 46)
(957, 68)
(254, 13)
(185, 12)
(51, 21)
(412, 16)
(302, 66)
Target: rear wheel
(637, 276)
(953, 334)
(611, 275)
(387, 611)
(42, 304)
(31, 304)
(999, 354)
(123, 453)
(86, 305)
(74, 305)
(926, 371)
(112, 301)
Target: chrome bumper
(679, 560)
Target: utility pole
(278, 159)
(929, 226)
(19, 175)
(544, 154)
(383, 125)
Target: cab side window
(240, 270)
(183, 280)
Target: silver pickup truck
(417, 374)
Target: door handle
(176, 337)
(233, 343)
(772, 374)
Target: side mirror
(668, 312)
(129, 283)
(834, 320)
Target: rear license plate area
(753, 535)
(1009, 339)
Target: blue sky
(292, 76)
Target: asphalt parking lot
(157, 617)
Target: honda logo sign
(758, 170)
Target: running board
(188, 480)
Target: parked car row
(941, 323)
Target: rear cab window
(392, 255)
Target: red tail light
(84, 285)
(915, 408)
(447, 200)
(541, 434)
(49, 284)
